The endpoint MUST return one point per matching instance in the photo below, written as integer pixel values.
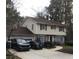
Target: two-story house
(45, 30)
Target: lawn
(67, 49)
(11, 56)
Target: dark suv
(36, 45)
(20, 44)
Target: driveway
(43, 54)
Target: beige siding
(49, 31)
(28, 23)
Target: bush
(49, 44)
(69, 43)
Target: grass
(67, 49)
(11, 56)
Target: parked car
(20, 44)
(49, 44)
(36, 45)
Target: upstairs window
(61, 29)
(43, 27)
(53, 27)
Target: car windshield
(21, 41)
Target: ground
(43, 54)
(11, 56)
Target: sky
(30, 7)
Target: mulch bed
(67, 50)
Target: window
(53, 27)
(21, 41)
(61, 29)
(43, 27)
(32, 26)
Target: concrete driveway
(43, 54)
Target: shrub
(49, 44)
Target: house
(45, 30)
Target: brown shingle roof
(45, 21)
(22, 31)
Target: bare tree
(12, 17)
